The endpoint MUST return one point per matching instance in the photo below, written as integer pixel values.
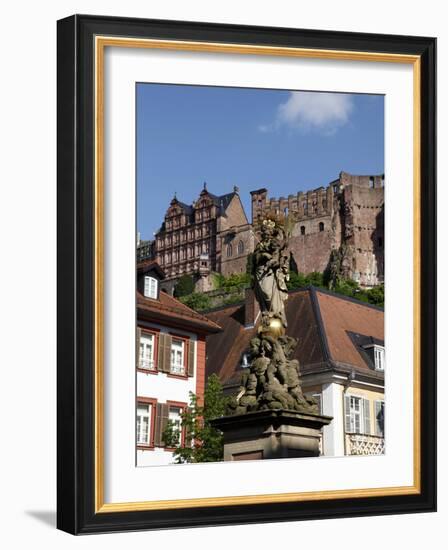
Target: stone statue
(271, 270)
(272, 381)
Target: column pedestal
(271, 434)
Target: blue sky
(284, 141)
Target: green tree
(184, 286)
(202, 442)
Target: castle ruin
(338, 228)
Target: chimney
(251, 308)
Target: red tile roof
(146, 265)
(169, 310)
(320, 320)
(340, 317)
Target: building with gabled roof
(170, 362)
(341, 354)
(211, 235)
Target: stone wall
(347, 216)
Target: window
(379, 418)
(378, 354)
(150, 290)
(240, 247)
(147, 342)
(357, 415)
(177, 356)
(144, 413)
(321, 226)
(175, 418)
(302, 230)
(380, 242)
(229, 250)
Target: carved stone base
(271, 434)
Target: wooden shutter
(191, 348)
(137, 346)
(366, 405)
(160, 424)
(164, 359)
(348, 428)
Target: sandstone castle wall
(346, 217)
(338, 228)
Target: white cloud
(308, 111)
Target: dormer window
(150, 290)
(378, 354)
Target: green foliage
(316, 279)
(346, 287)
(233, 299)
(196, 301)
(184, 286)
(203, 442)
(299, 280)
(296, 280)
(375, 295)
(234, 282)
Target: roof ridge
(320, 324)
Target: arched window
(240, 247)
(302, 230)
(229, 250)
(321, 226)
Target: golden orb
(276, 327)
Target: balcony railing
(360, 444)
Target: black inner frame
(75, 172)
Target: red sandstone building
(170, 354)
(342, 223)
(341, 355)
(211, 235)
(339, 227)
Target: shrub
(184, 286)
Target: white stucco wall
(333, 405)
(163, 388)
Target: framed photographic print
(245, 332)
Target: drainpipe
(350, 378)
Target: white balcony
(360, 444)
